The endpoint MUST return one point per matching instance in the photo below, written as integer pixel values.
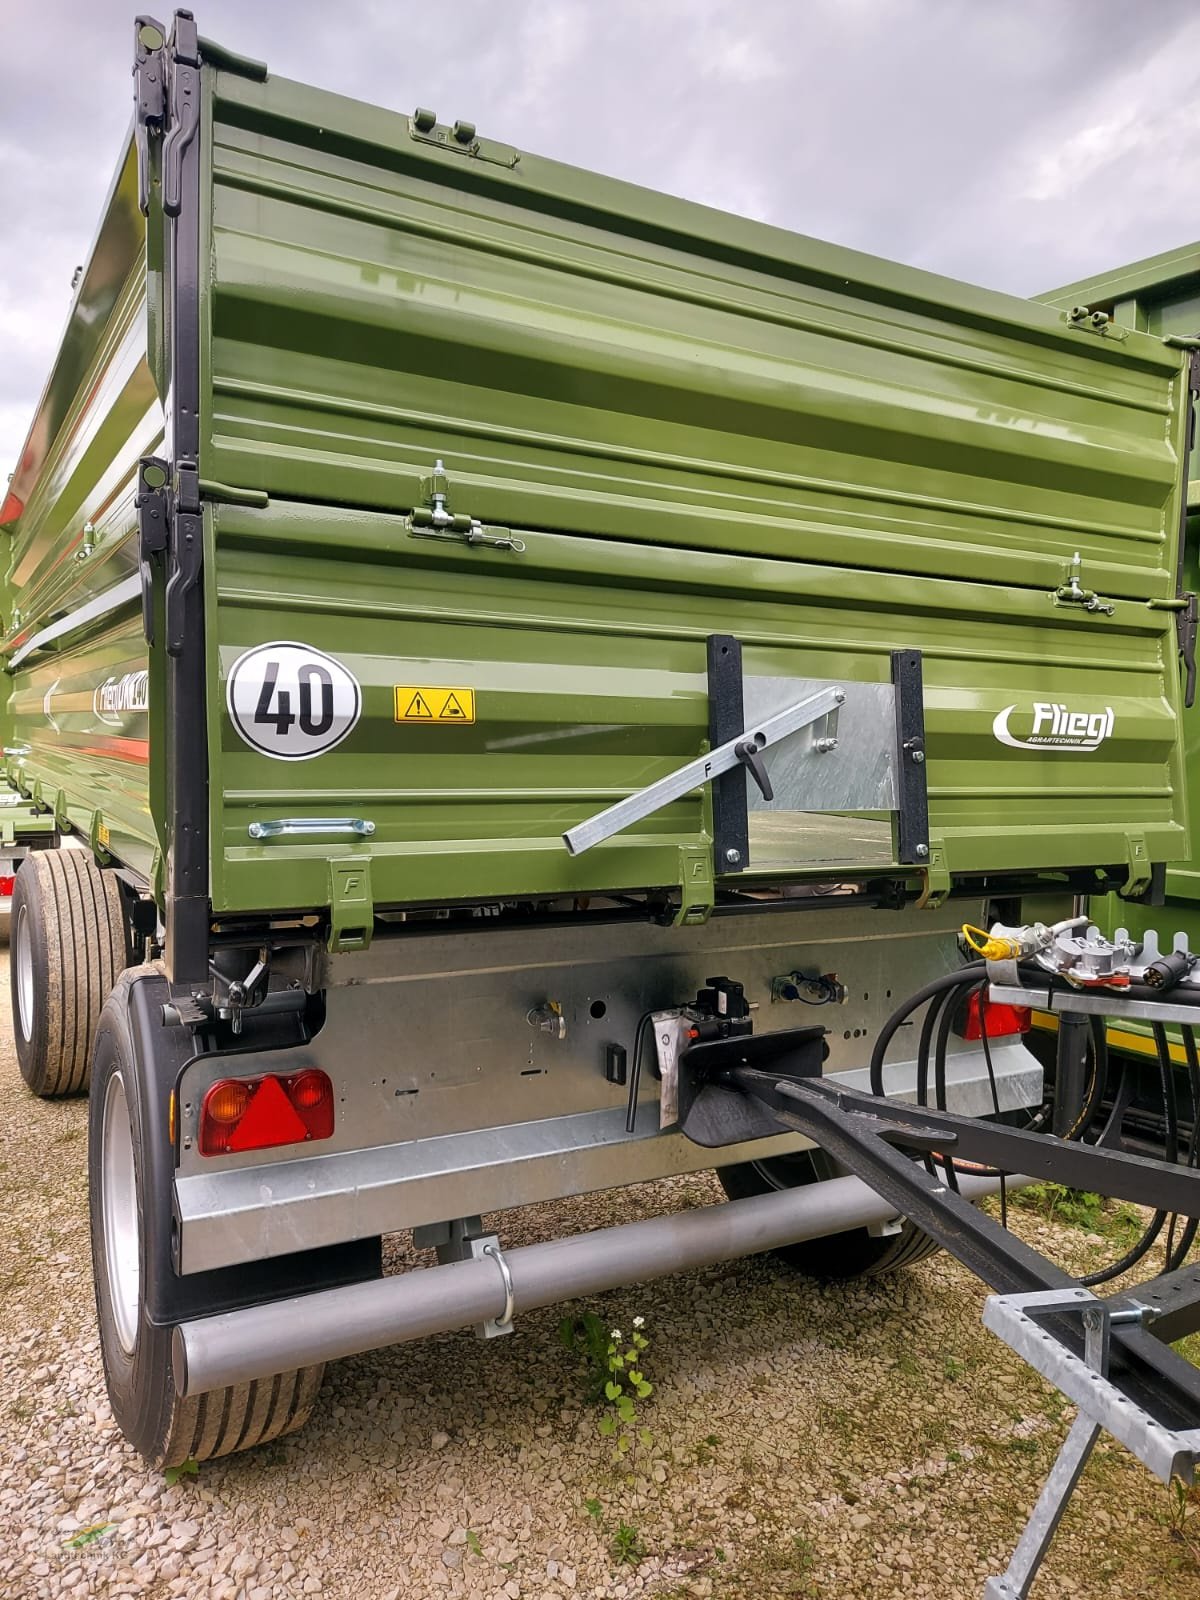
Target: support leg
(1047, 1514)
(1070, 1071)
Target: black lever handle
(749, 753)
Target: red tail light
(258, 1113)
(6, 885)
(999, 1020)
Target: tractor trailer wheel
(69, 942)
(130, 1253)
(857, 1253)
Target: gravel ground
(871, 1440)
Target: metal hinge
(153, 505)
(1088, 321)
(435, 520)
(149, 96)
(461, 139)
(169, 523)
(1072, 593)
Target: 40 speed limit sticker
(292, 702)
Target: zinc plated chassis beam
(246, 1213)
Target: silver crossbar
(644, 802)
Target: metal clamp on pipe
(502, 1323)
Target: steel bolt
(919, 757)
(733, 856)
(922, 851)
(824, 746)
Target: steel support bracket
(697, 891)
(1137, 858)
(936, 877)
(18, 821)
(351, 906)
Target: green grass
(1080, 1208)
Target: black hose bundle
(944, 996)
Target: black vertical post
(186, 876)
(1070, 1071)
(912, 794)
(726, 720)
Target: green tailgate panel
(689, 424)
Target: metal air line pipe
(236, 1346)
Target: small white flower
(616, 1333)
(639, 1322)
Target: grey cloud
(1018, 145)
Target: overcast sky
(1016, 143)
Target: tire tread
(238, 1418)
(84, 934)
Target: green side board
(1160, 295)
(688, 423)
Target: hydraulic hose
(1187, 1238)
(948, 980)
(1098, 1084)
(1170, 1149)
(941, 997)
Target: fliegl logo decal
(117, 697)
(1055, 727)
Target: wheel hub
(118, 1204)
(23, 960)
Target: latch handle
(749, 753)
(1186, 622)
(281, 827)
(152, 504)
(149, 97)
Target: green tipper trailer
(461, 604)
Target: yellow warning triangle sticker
(433, 703)
(418, 708)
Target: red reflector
(259, 1113)
(6, 886)
(1000, 1020)
(11, 509)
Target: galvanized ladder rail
(1169, 1452)
(1120, 1374)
